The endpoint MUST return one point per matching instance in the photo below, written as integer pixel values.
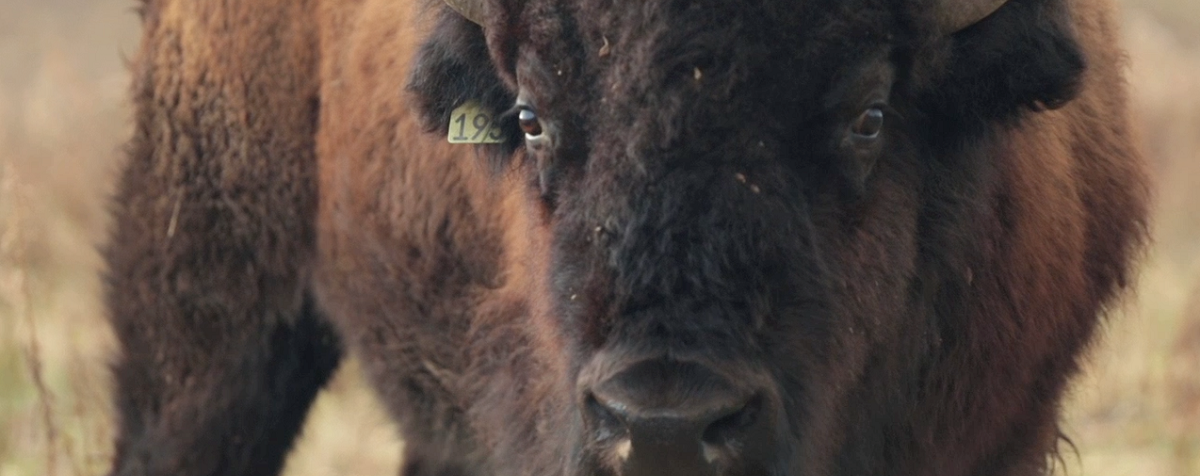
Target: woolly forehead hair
(670, 29)
(644, 46)
(510, 23)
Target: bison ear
(452, 67)
(1023, 56)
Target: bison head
(767, 222)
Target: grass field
(63, 116)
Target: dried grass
(19, 294)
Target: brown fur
(229, 272)
(221, 344)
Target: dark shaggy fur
(913, 304)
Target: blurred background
(64, 116)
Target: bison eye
(529, 123)
(869, 124)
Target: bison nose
(664, 418)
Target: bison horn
(469, 9)
(955, 15)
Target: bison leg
(222, 347)
(195, 402)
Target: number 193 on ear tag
(471, 123)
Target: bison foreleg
(221, 346)
(195, 403)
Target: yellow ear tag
(471, 123)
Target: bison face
(747, 205)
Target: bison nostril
(607, 420)
(734, 425)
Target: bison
(704, 237)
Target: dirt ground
(63, 117)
